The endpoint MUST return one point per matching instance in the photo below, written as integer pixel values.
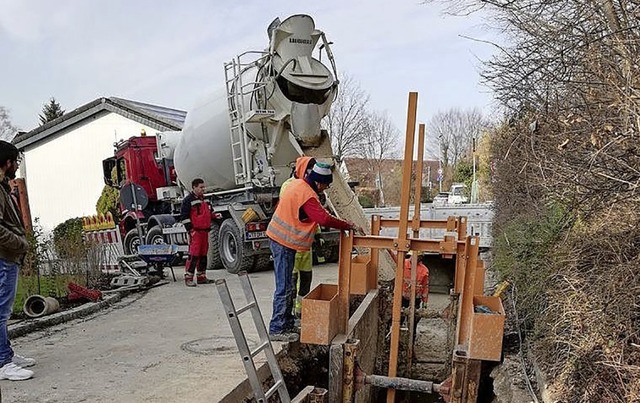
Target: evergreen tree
(51, 111)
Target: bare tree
(7, 129)
(380, 144)
(450, 133)
(348, 117)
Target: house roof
(157, 117)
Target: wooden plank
(416, 234)
(336, 363)
(466, 297)
(344, 280)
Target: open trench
(304, 365)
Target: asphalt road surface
(169, 344)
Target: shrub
(67, 238)
(366, 201)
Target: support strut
(397, 383)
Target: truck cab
(135, 163)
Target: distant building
(62, 163)
(384, 189)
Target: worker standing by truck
(293, 229)
(195, 215)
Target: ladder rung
(260, 348)
(274, 388)
(245, 308)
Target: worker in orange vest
(422, 286)
(303, 266)
(293, 228)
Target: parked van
(458, 194)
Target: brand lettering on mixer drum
(299, 40)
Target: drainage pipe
(37, 305)
(412, 385)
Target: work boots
(202, 271)
(201, 278)
(188, 280)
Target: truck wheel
(262, 263)
(232, 253)
(154, 236)
(131, 242)
(333, 254)
(213, 255)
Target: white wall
(64, 173)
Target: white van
(457, 194)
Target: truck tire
(262, 263)
(232, 253)
(333, 255)
(131, 242)
(154, 236)
(213, 255)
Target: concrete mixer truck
(242, 140)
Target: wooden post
(344, 279)
(465, 378)
(375, 230)
(350, 354)
(415, 225)
(461, 260)
(465, 308)
(401, 244)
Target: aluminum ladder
(243, 347)
(237, 91)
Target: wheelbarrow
(160, 255)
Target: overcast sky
(171, 52)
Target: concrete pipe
(37, 305)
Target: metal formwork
(472, 328)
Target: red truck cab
(136, 161)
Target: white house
(62, 162)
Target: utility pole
(474, 185)
(440, 163)
(473, 154)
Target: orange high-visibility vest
(422, 281)
(285, 227)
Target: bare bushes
(590, 329)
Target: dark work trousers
(283, 260)
(198, 248)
